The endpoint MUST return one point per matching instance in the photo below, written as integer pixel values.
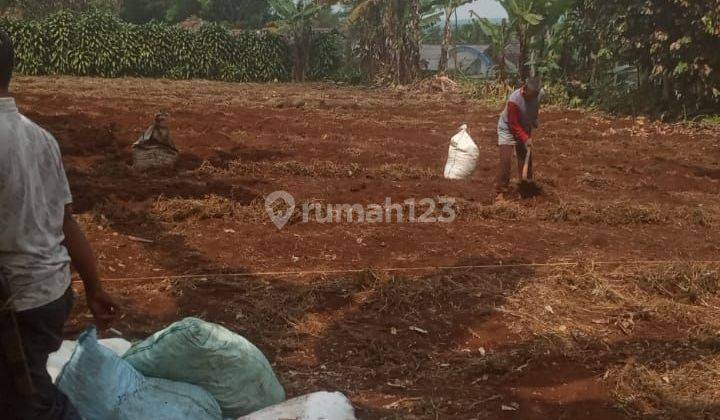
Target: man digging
(38, 240)
(514, 129)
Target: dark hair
(7, 59)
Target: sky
(484, 8)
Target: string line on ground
(407, 269)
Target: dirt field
(592, 341)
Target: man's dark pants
(506, 154)
(41, 332)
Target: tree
(242, 13)
(499, 37)
(294, 21)
(143, 11)
(245, 13)
(411, 42)
(449, 8)
(183, 9)
(672, 45)
(522, 21)
(546, 48)
(41, 8)
(386, 36)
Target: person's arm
(101, 305)
(516, 128)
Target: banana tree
(500, 36)
(546, 50)
(294, 21)
(523, 20)
(449, 8)
(386, 36)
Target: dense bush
(660, 57)
(97, 43)
(326, 55)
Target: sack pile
(190, 370)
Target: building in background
(471, 60)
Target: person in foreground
(39, 239)
(515, 126)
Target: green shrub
(326, 56)
(97, 43)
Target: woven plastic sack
(225, 364)
(102, 386)
(57, 360)
(315, 406)
(152, 158)
(462, 156)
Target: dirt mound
(436, 84)
(529, 189)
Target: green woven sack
(225, 364)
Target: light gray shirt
(33, 193)
(528, 112)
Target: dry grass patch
(690, 284)
(209, 207)
(321, 169)
(402, 171)
(507, 210)
(604, 301)
(671, 390)
(181, 209)
(607, 313)
(618, 213)
(700, 216)
(613, 214)
(593, 181)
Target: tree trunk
(522, 60)
(297, 64)
(411, 45)
(533, 58)
(391, 56)
(667, 88)
(301, 45)
(447, 34)
(501, 68)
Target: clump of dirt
(529, 189)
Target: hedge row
(96, 43)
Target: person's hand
(103, 308)
(529, 143)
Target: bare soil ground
(592, 341)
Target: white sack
(316, 406)
(462, 156)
